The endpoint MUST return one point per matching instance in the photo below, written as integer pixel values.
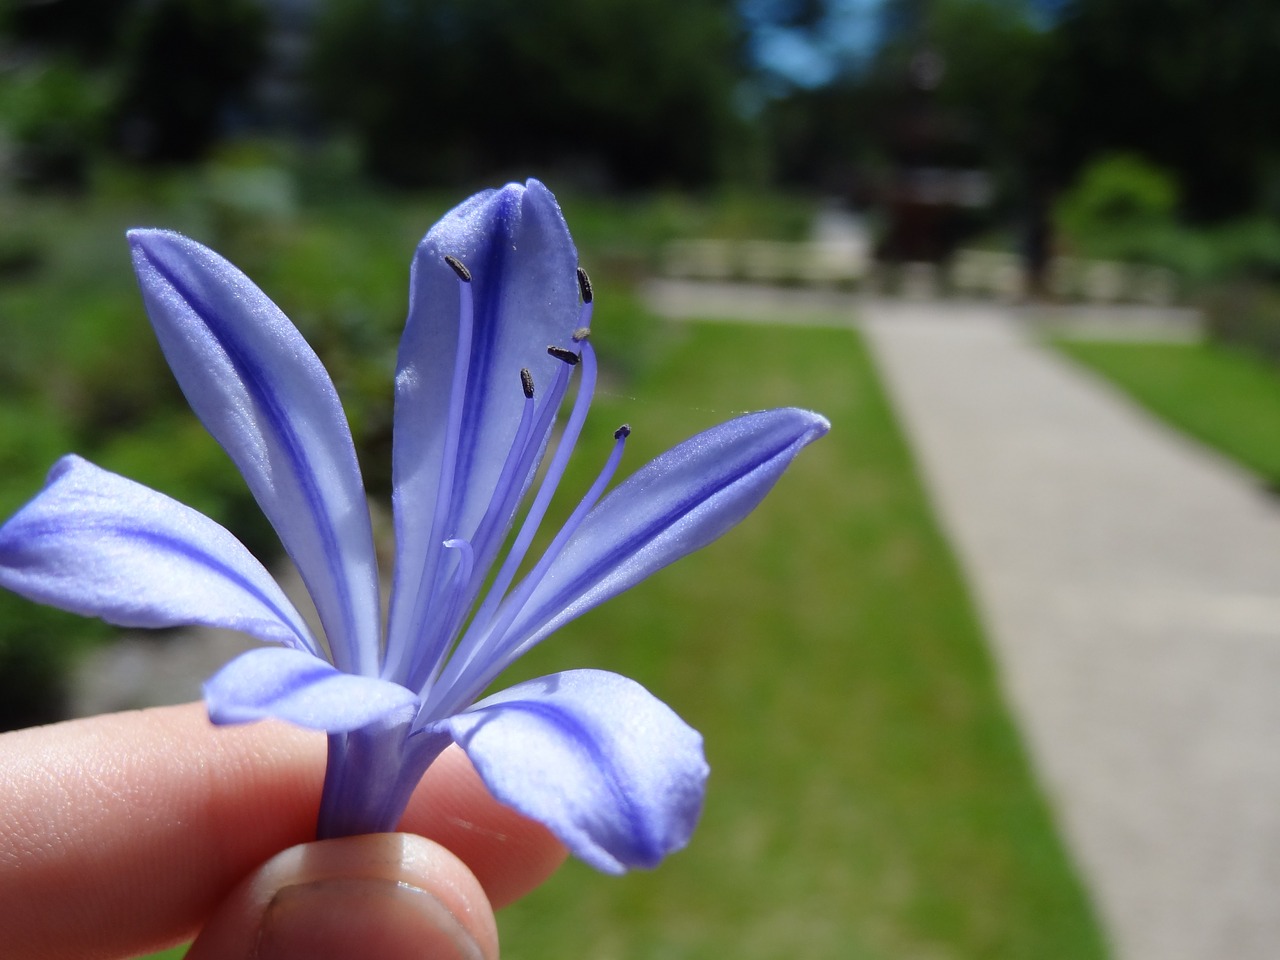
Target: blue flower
(607, 767)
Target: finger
(121, 833)
(393, 896)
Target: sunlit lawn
(869, 795)
(1223, 396)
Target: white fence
(971, 273)
(768, 261)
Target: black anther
(568, 356)
(459, 268)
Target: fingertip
(510, 854)
(384, 895)
(82, 873)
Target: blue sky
(846, 37)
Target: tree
(89, 30)
(1186, 83)
(985, 62)
(449, 90)
(186, 63)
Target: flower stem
(370, 776)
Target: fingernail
(343, 919)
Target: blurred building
(935, 181)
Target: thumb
(390, 895)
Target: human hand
(131, 832)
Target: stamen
(459, 268)
(488, 537)
(588, 301)
(568, 356)
(516, 471)
(468, 557)
(480, 627)
(455, 592)
(479, 672)
(526, 383)
(426, 589)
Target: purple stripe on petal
(676, 504)
(275, 682)
(607, 767)
(524, 283)
(97, 544)
(264, 395)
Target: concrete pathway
(1130, 583)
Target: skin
(131, 832)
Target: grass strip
(1223, 396)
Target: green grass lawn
(869, 795)
(1223, 396)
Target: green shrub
(1245, 313)
(54, 114)
(1116, 191)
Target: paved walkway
(1130, 585)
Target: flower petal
(524, 286)
(264, 395)
(291, 685)
(606, 766)
(672, 506)
(99, 545)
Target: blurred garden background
(871, 796)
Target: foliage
(185, 64)
(1048, 86)
(1247, 313)
(1124, 208)
(978, 109)
(87, 30)
(1182, 83)
(652, 92)
(1117, 191)
(636, 92)
(992, 52)
(156, 78)
(53, 113)
(1247, 249)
